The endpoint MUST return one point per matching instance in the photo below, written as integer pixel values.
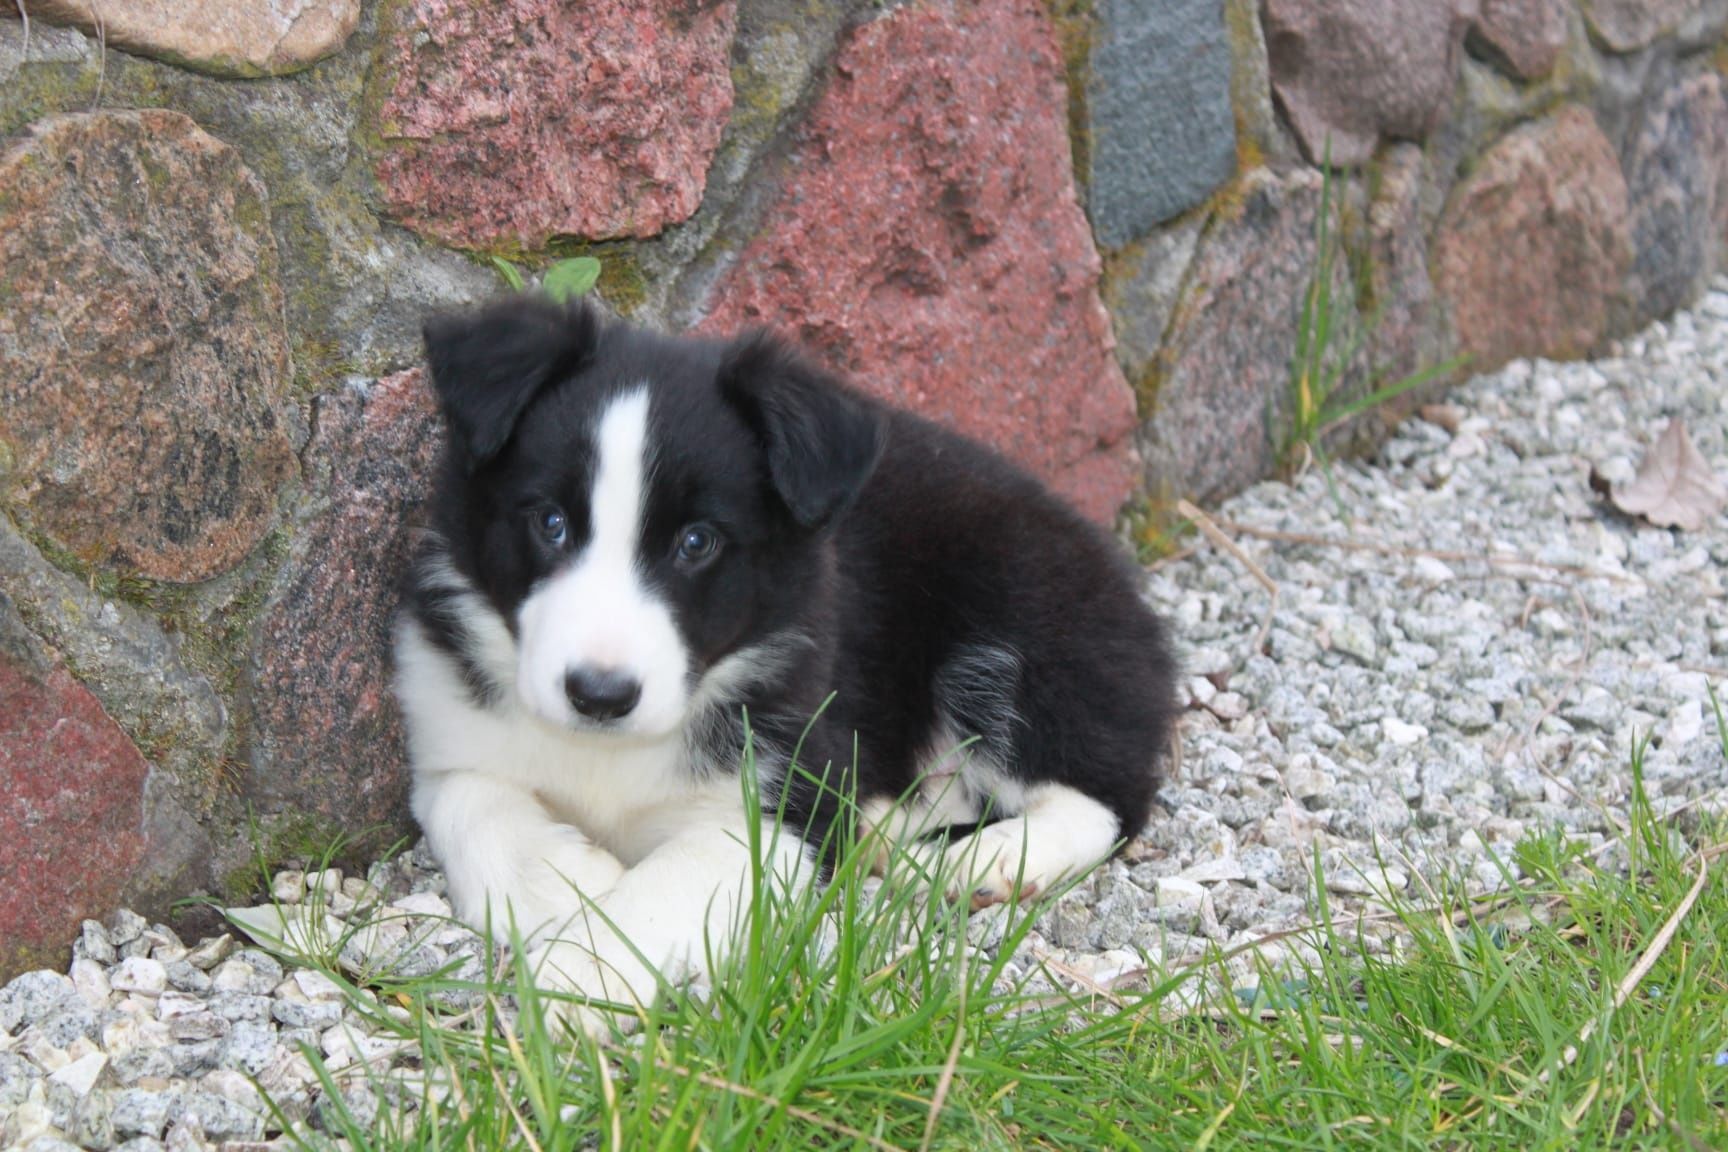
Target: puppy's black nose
(601, 693)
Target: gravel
(150, 1044)
(1467, 641)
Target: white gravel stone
(1304, 779)
(220, 1119)
(94, 943)
(141, 1112)
(30, 997)
(126, 926)
(165, 944)
(1432, 570)
(1180, 892)
(1597, 709)
(344, 1044)
(236, 1088)
(317, 987)
(1201, 690)
(80, 1075)
(288, 886)
(1684, 724)
(91, 981)
(421, 904)
(1354, 637)
(1357, 877)
(211, 952)
(232, 975)
(140, 975)
(360, 891)
(1214, 871)
(1228, 706)
(1400, 733)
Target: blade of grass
(1337, 416)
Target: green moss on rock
(1076, 24)
(299, 840)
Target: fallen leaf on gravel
(1675, 486)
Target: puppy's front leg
(504, 854)
(665, 914)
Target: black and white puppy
(636, 540)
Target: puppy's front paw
(594, 989)
(995, 865)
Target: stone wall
(1081, 229)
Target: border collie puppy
(637, 541)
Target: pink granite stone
(927, 242)
(1535, 244)
(506, 123)
(1525, 37)
(325, 723)
(1350, 73)
(143, 355)
(71, 811)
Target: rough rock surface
(1142, 287)
(1160, 132)
(141, 675)
(1629, 25)
(71, 806)
(48, 45)
(1677, 178)
(1402, 335)
(329, 742)
(1256, 116)
(957, 275)
(225, 37)
(142, 344)
(1351, 72)
(505, 124)
(1525, 37)
(1218, 398)
(1534, 245)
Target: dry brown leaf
(1675, 486)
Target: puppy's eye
(697, 543)
(552, 526)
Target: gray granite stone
(1161, 134)
(1677, 181)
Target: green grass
(1329, 336)
(562, 280)
(854, 1017)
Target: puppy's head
(646, 514)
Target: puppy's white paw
(1062, 834)
(597, 989)
(561, 889)
(1016, 859)
(992, 866)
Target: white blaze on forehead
(615, 506)
(596, 611)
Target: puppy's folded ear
(488, 365)
(821, 439)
